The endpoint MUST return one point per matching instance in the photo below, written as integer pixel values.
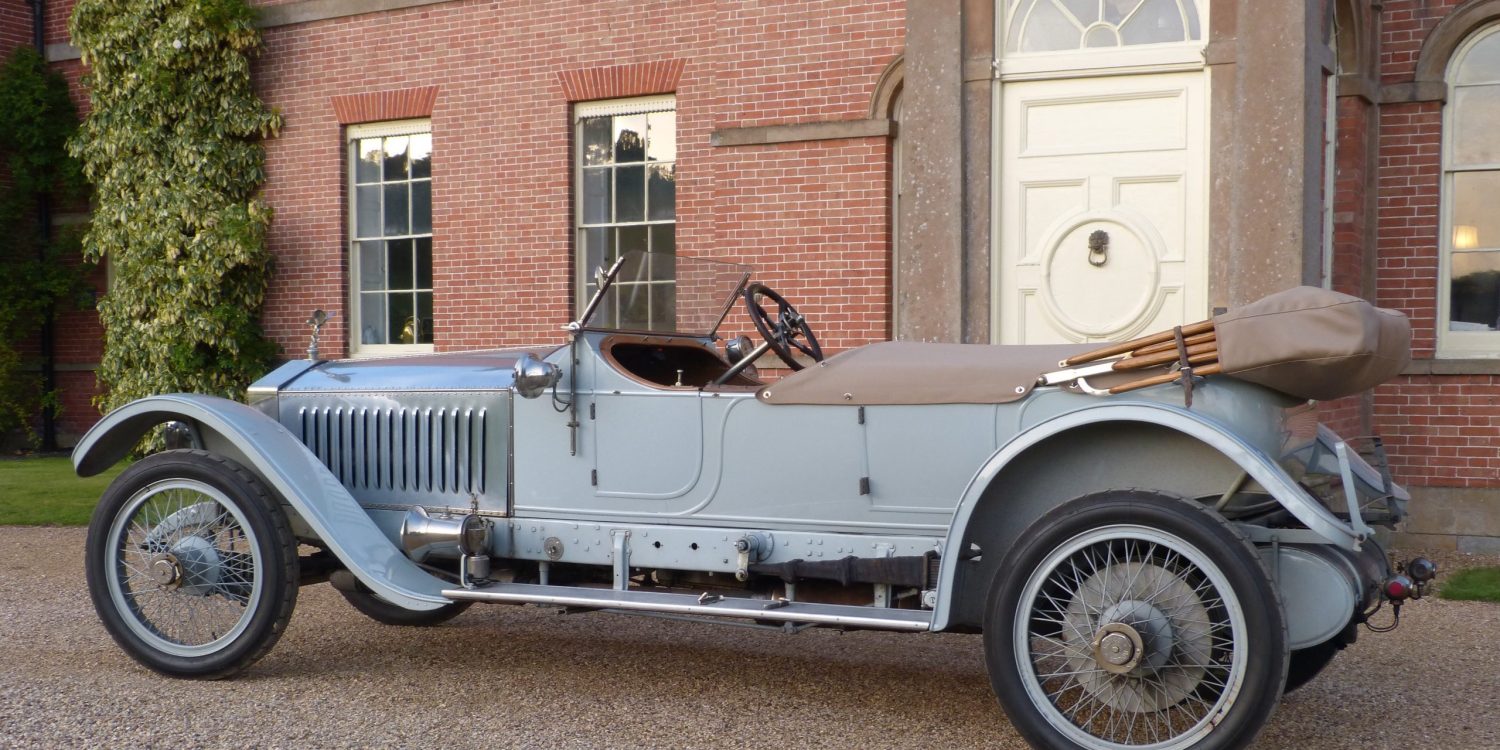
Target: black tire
(1306, 663)
(385, 612)
(191, 565)
(1187, 602)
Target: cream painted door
(1121, 159)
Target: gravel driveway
(524, 677)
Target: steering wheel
(782, 331)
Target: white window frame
(353, 133)
(1330, 156)
(1457, 344)
(582, 275)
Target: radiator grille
(403, 449)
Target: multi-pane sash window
(1471, 180)
(626, 169)
(390, 202)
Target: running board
(838, 615)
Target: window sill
(1456, 366)
(376, 351)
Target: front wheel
(191, 564)
(1131, 619)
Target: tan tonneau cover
(914, 372)
(1313, 343)
(1307, 342)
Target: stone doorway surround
(1266, 60)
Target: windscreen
(663, 292)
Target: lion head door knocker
(1098, 247)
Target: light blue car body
(675, 476)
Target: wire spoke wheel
(191, 564)
(1135, 620)
(1129, 637)
(185, 567)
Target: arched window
(1471, 179)
(1059, 25)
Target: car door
(648, 443)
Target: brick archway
(620, 81)
(1445, 38)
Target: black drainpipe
(44, 229)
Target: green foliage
(172, 146)
(46, 492)
(36, 120)
(1473, 584)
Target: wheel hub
(1126, 649)
(166, 571)
(1144, 637)
(198, 564)
(1118, 648)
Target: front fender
(279, 459)
(1253, 461)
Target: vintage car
(1148, 565)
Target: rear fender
(269, 450)
(995, 497)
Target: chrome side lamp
(534, 377)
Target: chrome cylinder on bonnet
(424, 536)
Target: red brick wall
(1409, 169)
(78, 341)
(1350, 416)
(1351, 188)
(813, 216)
(1404, 27)
(58, 12)
(15, 31)
(1440, 430)
(15, 27)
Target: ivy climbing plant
(37, 274)
(172, 147)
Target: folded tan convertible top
(1313, 343)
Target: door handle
(1098, 247)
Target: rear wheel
(1307, 663)
(1132, 619)
(191, 565)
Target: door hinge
(864, 485)
(861, 415)
(994, 69)
(591, 410)
(594, 477)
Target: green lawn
(46, 492)
(1473, 584)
